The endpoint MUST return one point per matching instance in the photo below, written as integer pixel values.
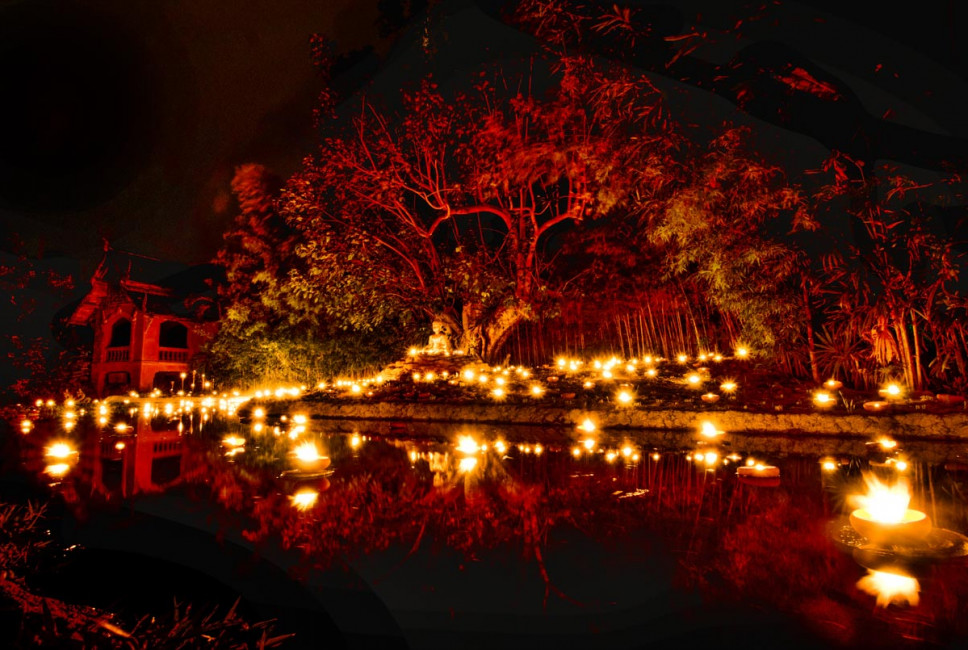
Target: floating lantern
(884, 517)
(828, 465)
(694, 379)
(823, 399)
(651, 372)
(355, 440)
(119, 445)
(876, 406)
(587, 425)
(60, 450)
(611, 456)
(710, 457)
(500, 446)
(625, 397)
(758, 470)
(468, 375)
(656, 456)
(742, 352)
(498, 393)
(537, 390)
(682, 358)
(26, 426)
(576, 451)
(588, 443)
(710, 398)
(949, 400)
(717, 357)
(728, 386)
(467, 464)
(832, 384)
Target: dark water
(408, 538)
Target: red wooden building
(147, 331)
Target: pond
(367, 533)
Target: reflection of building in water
(146, 331)
(151, 460)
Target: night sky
(125, 120)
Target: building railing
(172, 354)
(117, 354)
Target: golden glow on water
(709, 430)
(304, 499)
(891, 588)
(57, 470)
(467, 445)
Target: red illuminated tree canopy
(450, 208)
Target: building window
(120, 334)
(173, 335)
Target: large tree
(451, 208)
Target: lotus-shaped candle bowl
(912, 528)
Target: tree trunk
(811, 344)
(498, 329)
(919, 370)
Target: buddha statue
(439, 341)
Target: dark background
(125, 120)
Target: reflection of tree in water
(766, 546)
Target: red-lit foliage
(450, 207)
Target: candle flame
(885, 503)
(307, 452)
(60, 450)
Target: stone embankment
(910, 424)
